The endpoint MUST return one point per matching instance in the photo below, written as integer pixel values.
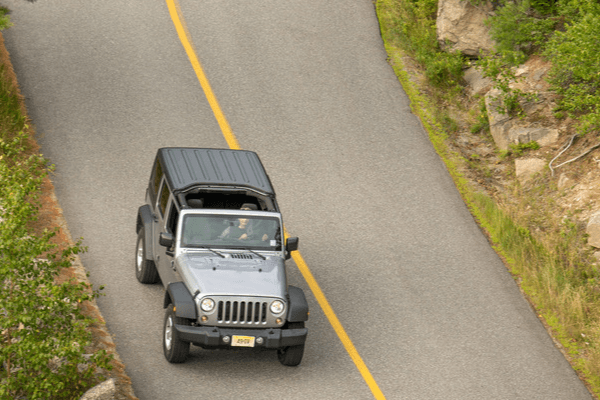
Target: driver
(244, 230)
(239, 232)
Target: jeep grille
(242, 312)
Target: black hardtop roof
(186, 167)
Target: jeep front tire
(175, 349)
(291, 356)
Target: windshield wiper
(254, 252)
(214, 251)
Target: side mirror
(166, 239)
(291, 244)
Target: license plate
(242, 341)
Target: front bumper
(209, 336)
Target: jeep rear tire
(291, 356)
(145, 270)
(175, 349)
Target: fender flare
(182, 300)
(144, 220)
(298, 306)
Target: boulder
(500, 123)
(476, 82)
(460, 27)
(543, 136)
(526, 168)
(506, 130)
(103, 391)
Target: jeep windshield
(231, 232)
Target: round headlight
(207, 305)
(277, 307)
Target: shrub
(4, 18)
(499, 69)
(43, 333)
(415, 29)
(520, 148)
(575, 56)
(517, 28)
(482, 123)
(545, 7)
(443, 69)
(573, 10)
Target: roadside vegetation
(4, 18)
(545, 250)
(45, 337)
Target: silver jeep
(212, 233)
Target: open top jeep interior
(201, 198)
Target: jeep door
(165, 221)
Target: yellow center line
(336, 324)
(186, 41)
(233, 143)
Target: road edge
(52, 215)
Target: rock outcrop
(477, 83)
(104, 391)
(507, 130)
(526, 168)
(460, 27)
(457, 23)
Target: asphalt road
(427, 303)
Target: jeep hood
(214, 275)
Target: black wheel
(291, 356)
(145, 270)
(175, 349)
